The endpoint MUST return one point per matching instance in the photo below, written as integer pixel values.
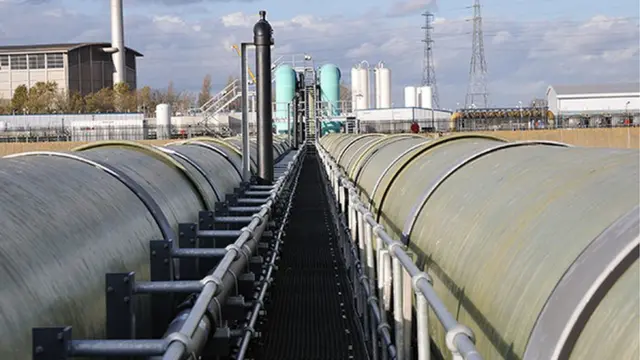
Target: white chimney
(117, 42)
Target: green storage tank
(330, 88)
(285, 89)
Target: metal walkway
(310, 314)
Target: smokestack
(117, 42)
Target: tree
(42, 97)
(69, 103)
(124, 100)
(100, 102)
(185, 101)
(20, 98)
(205, 93)
(144, 100)
(235, 105)
(171, 96)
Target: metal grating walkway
(310, 315)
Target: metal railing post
(422, 312)
(397, 306)
(246, 164)
(371, 273)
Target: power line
(477, 89)
(428, 66)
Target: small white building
(597, 101)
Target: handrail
(459, 338)
(180, 342)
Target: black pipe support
(263, 39)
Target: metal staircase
(310, 87)
(223, 99)
(216, 104)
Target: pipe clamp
(420, 276)
(236, 248)
(455, 331)
(183, 339)
(211, 279)
(395, 245)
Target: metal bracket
(50, 343)
(255, 264)
(121, 317)
(161, 269)
(206, 219)
(247, 284)
(234, 309)
(219, 345)
(187, 238)
(222, 208)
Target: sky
(528, 44)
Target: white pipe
(117, 42)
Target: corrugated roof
(55, 47)
(597, 88)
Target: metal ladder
(310, 103)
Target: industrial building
(83, 67)
(596, 104)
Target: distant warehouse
(596, 105)
(83, 67)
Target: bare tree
(205, 93)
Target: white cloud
(523, 57)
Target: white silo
(384, 87)
(355, 87)
(363, 79)
(163, 121)
(426, 96)
(410, 96)
(117, 42)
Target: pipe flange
(455, 331)
(183, 339)
(236, 248)
(372, 300)
(363, 278)
(257, 216)
(395, 244)
(383, 326)
(367, 214)
(420, 276)
(211, 279)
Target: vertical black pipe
(296, 110)
(263, 39)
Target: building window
(36, 61)
(55, 61)
(4, 62)
(18, 62)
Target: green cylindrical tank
(533, 245)
(285, 89)
(330, 88)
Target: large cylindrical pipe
(263, 39)
(523, 239)
(67, 221)
(117, 42)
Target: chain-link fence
(99, 133)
